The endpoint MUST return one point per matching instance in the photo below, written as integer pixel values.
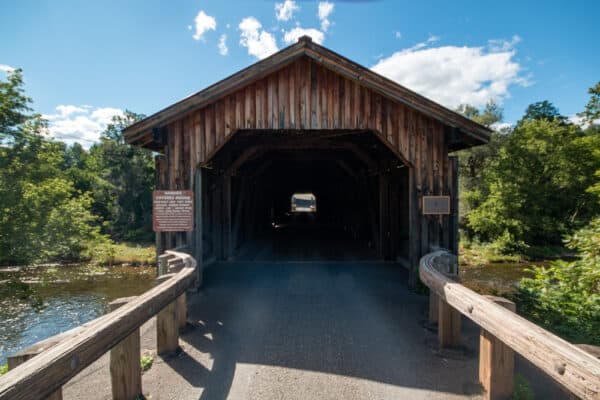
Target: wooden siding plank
(284, 109)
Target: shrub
(564, 296)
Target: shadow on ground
(353, 320)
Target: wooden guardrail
(573, 368)
(42, 369)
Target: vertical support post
(227, 242)
(163, 264)
(384, 220)
(167, 329)
(239, 209)
(125, 368)
(217, 231)
(434, 301)
(182, 311)
(449, 319)
(496, 361)
(198, 251)
(448, 325)
(454, 206)
(414, 232)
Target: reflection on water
(36, 303)
(496, 279)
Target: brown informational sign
(436, 205)
(173, 210)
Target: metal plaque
(173, 210)
(436, 205)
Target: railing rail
(44, 374)
(573, 368)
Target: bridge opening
(303, 202)
(306, 196)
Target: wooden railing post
(163, 262)
(167, 329)
(434, 301)
(125, 368)
(168, 322)
(496, 361)
(449, 321)
(573, 368)
(182, 310)
(448, 318)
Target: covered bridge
(308, 121)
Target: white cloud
(325, 9)
(82, 124)
(501, 126)
(6, 68)
(65, 111)
(259, 42)
(202, 24)
(453, 75)
(584, 124)
(433, 39)
(223, 49)
(285, 11)
(105, 115)
(503, 45)
(292, 35)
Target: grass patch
(479, 254)
(3, 369)
(474, 254)
(146, 363)
(124, 253)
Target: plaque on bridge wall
(436, 205)
(173, 210)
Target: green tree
(591, 114)
(542, 110)
(15, 110)
(565, 296)
(474, 161)
(42, 215)
(123, 184)
(535, 191)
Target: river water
(36, 303)
(498, 279)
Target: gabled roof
(466, 129)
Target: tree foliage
(15, 110)
(591, 114)
(59, 202)
(535, 191)
(473, 162)
(542, 110)
(530, 185)
(123, 183)
(565, 296)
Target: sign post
(436, 205)
(173, 210)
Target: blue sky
(85, 61)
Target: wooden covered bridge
(306, 156)
(309, 120)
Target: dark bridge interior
(360, 187)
